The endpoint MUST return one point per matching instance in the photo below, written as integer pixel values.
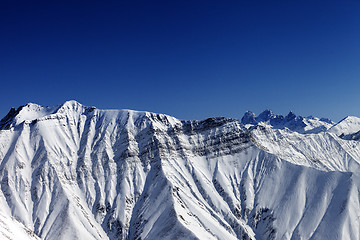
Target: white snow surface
(10, 228)
(347, 126)
(77, 172)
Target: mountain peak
(265, 116)
(33, 111)
(71, 105)
(348, 125)
(290, 121)
(290, 116)
(249, 118)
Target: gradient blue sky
(189, 59)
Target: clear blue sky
(189, 59)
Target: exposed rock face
(76, 172)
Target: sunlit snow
(77, 172)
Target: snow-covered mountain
(346, 127)
(291, 121)
(77, 172)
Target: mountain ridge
(291, 121)
(124, 174)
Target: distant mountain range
(77, 172)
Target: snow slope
(347, 126)
(77, 172)
(10, 228)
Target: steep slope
(324, 151)
(76, 172)
(348, 126)
(10, 228)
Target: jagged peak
(265, 116)
(291, 116)
(291, 121)
(249, 118)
